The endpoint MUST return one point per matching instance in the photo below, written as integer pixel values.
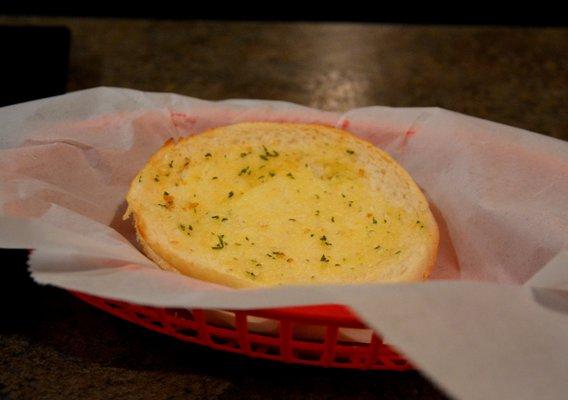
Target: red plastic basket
(316, 335)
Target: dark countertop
(517, 76)
(53, 346)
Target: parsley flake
(220, 244)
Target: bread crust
(188, 266)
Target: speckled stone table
(52, 346)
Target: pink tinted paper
(482, 328)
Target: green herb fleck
(171, 164)
(243, 155)
(350, 151)
(220, 244)
(140, 179)
(324, 240)
(246, 238)
(377, 247)
(398, 252)
(332, 219)
(230, 194)
(324, 258)
(251, 274)
(317, 212)
(166, 194)
(271, 173)
(312, 234)
(342, 195)
(289, 175)
(156, 179)
(263, 157)
(268, 153)
(291, 219)
(208, 155)
(261, 177)
(245, 170)
(215, 217)
(163, 205)
(224, 219)
(182, 227)
(374, 221)
(215, 177)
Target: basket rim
(314, 314)
(321, 314)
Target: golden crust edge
(191, 269)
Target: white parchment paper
(492, 322)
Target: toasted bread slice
(261, 204)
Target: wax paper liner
(492, 322)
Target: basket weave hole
(220, 318)
(308, 332)
(307, 355)
(354, 336)
(180, 313)
(265, 349)
(185, 332)
(399, 362)
(342, 359)
(225, 341)
(142, 316)
(263, 326)
(112, 304)
(157, 324)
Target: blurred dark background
(42, 40)
(484, 12)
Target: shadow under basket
(324, 336)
